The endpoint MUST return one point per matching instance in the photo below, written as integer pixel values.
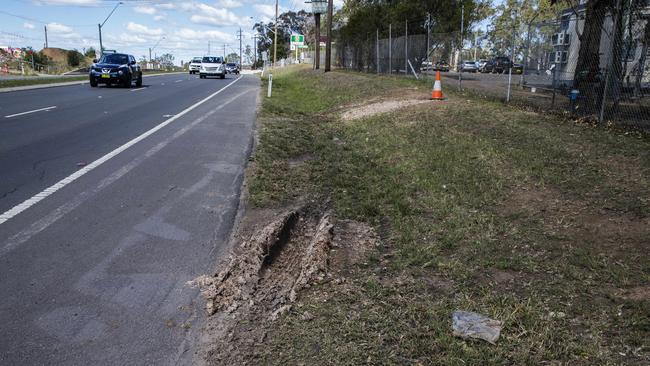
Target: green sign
(297, 38)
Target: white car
(195, 65)
(212, 66)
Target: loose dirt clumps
(262, 280)
(384, 106)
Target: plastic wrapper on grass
(472, 325)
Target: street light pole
(101, 46)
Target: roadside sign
(293, 47)
(297, 39)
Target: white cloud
(214, 16)
(28, 25)
(145, 10)
(188, 34)
(159, 17)
(143, 29)
(265, 9)
(167, 6)
(68, 2)
(229, 4)
(58, 28)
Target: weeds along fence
(597, 69)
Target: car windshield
(197, 60)
(232, 65)
(212, 60)
(115, 58)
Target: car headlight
(120, 72)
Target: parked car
(195, 65)
(441, 66)
(212, 66)
(481, 63)
(501, 64)
(232, 68)
(488, 67)
(115, 68)
(517, 68)
(468, 66)
(426, 65)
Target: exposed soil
(384, 106)
(270, 265)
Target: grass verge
(39, 81)
(524, 217)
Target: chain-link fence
(592, 66)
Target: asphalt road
(110, 201)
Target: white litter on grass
(472, 325)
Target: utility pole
(390, 48)
(224, 52)
(328, 44)
(254, 50)
(46, 45)
(208, 48)
(275, 35)
(240, 59)
(150, 54)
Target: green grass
(481, 206)
(39, 81)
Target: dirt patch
(384, 106)
(297, 249)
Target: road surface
(111, 199)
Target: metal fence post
(377, 50)
(390, 48)
(406, 47)
(610, 67)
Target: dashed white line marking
(28, 112)
(178, 81)
(79, 173)
(144, 87)
(167, 115)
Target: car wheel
(202, 76)
(128, 81)
(223, 76)
(93, 82)
(138, 82)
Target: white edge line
(28, 112)
(74, 176)
(144, 87)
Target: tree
(288, 22)
(248, 52)
(90, 52)
(232, 57)
(165, 60)
(74, 58)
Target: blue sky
(186, 25)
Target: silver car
(212, 66)
(468, 66)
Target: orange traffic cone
(436, 93)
